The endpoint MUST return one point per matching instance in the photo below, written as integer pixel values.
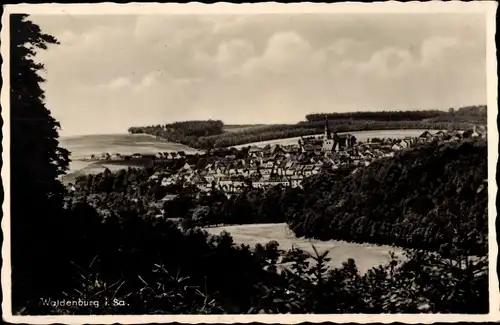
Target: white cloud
(286, 53)
(388, 62)
(232, 54)
(256, 69)
(119, 83)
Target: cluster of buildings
(136, 156)
(263, 168)
(290, 165)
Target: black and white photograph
(249, 161)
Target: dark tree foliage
(251, 206)
(477, 110)
(36, 159)
(156, 267)
(433, 197)
(377, 116)
(182, 131)
(170, 271)
(471, 114)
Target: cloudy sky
(112, 72)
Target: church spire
(327, 130)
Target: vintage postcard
(273, 163)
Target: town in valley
(272, 165)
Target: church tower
(327, 134)
(328, 142)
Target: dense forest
(126, 260)
(434, 197)
(377, 115)
(182, 132)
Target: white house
(404, 144)
(396, 146)
(186, 167)
(266, 171)
(290, 171)
(296, 180)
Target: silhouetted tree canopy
(36, 158)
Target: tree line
(376, 115)
(472, 114)
(182, 132)
(64, 247)
(473, 110)
(388, 116)
(274, 132)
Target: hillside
(433, 197)
(366, 256)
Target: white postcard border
(485, 7)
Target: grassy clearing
(365, 255)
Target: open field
(360, 135)
(125, 144)
(366, 256)
(84, 146)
